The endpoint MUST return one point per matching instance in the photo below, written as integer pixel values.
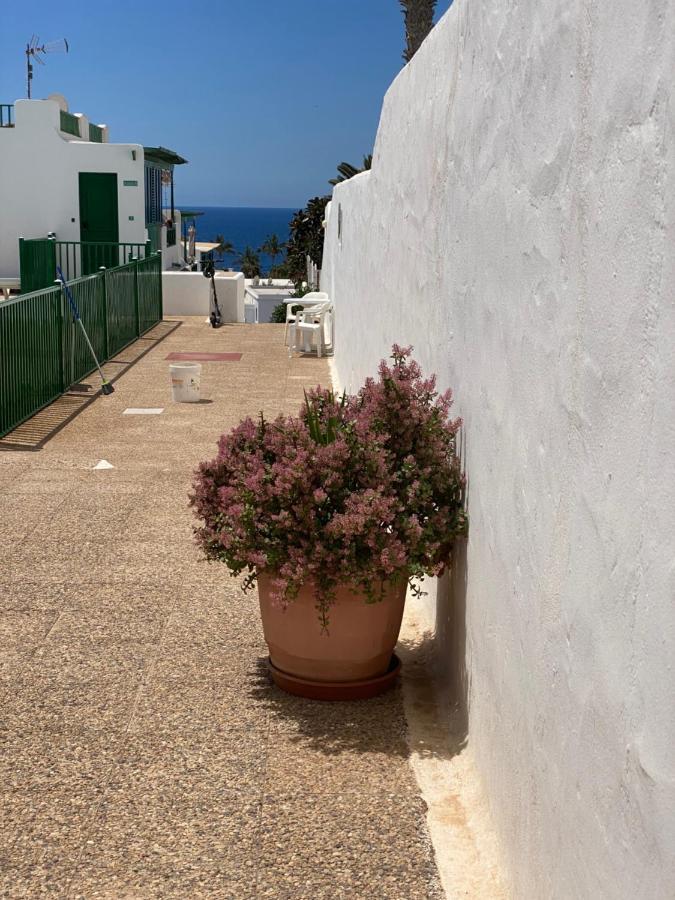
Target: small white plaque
(141, 411)
(103, 464)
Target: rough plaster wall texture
(517, 229)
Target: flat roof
(163, 155)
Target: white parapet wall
(188, 293)
(517, 228)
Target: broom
(106, 387)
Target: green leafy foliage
(306, 238)
(249, 262)
(419, 20)
(347, 170)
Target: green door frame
(99, 220)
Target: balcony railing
(6, 115)
(43, 350)
(155, 236)
(95, 133)
(70, 123)
(38, 259)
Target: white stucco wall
(517, 229)
(188, 294)
(39, 190)
(172, 257)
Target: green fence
(37, 264)
(39, 257)
(77, 258)
(70, 123)
(95, 133)
(42, 349)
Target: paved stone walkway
(143, 751)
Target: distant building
(60, 176)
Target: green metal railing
(43, 349)
(39, 258)
(31, 373)
(95, 133)
(6, 115)
(155, 236)
(70, 123)
(37, 264)
(171, 236)
(77, 258)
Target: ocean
(243, 226)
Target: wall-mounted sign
(130, 183)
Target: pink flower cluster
(355, 490)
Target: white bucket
(185, 382)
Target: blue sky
(263, 98)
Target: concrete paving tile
(64, 662)
(93, 519)
(169, 848)
(105, 627)
(295, 764)
(21, 514)
(35, 759)
(204, 701)
(347, 846)
(94, 562)
(21, 633)
(37, 704)
(374, 726)
(26, 629)
(155, 596)
(217, 760)
(26, 880)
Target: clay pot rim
(355, 589)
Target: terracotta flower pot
(360, 640)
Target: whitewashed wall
(39, 188)
(188, 294)
(517, 229)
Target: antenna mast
(35, 50)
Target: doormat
(204, 357)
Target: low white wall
(517, 229)
(172, 256)
(188, 293)
(39, 188)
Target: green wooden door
(99, 223)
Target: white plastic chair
(314, 325)
(301, 301)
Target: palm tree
(272, 247)
(225, 248)
(347, 170)
(249, 262)
(419, 20)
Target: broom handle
(76, 314)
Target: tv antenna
(35, 51)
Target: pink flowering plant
(355, 490)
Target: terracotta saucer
(336, 690)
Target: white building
(60, 175)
